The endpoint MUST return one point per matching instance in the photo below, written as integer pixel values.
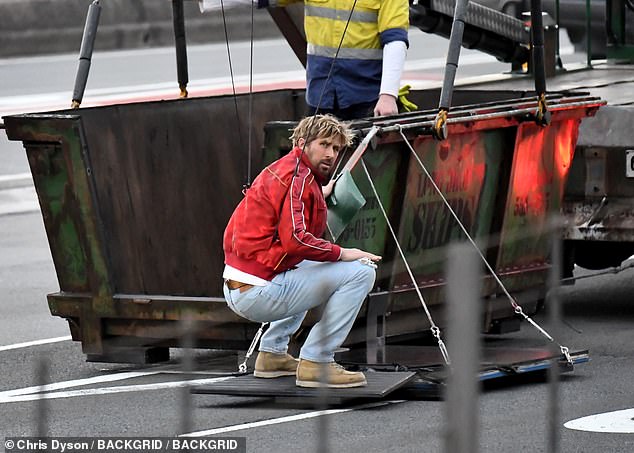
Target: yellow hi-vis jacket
(356, 75)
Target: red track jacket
(280, 221)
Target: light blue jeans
(341, 285)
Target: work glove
(406, 104)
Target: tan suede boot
(309, 374)
(269, 365)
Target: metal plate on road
(496, 363)
(429, 357)
(629, 163)
(380, 384)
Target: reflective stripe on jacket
(280, 221)
(356, 76)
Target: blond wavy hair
(322, 126)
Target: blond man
(277, 266)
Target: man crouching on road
(277, 267)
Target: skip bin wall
(135, 199)
(508, 218)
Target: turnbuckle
(564, 350)
(242, 368)
(435, 331)
(519, 311)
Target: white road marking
(290, 418)
(34, 342)
(609, 422)
(135, 53)
(18, 200)
(76, 383)
(18, 177)
(35, 392)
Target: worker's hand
(356, 254)
(328, 188)
(386, 105)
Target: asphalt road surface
(92, 399)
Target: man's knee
(366, 274)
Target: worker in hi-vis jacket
(365, 77)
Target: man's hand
(356, 254)
(386, 105)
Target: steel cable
(233, 85)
